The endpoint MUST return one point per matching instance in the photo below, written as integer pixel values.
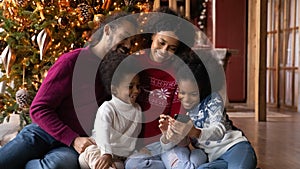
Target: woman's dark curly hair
(166, 19)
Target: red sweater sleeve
(55, 91)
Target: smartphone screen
(182, 118)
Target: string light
(203, 17)
(47, 15)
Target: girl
(208, 127)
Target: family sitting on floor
(160, 107)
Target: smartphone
(182, 118)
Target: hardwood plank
(276, 141)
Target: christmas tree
(35, 33)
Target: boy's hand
(104, 162)
(144, 150)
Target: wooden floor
(276, 142)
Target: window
(283, 53)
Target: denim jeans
(140, 160)
(183, 158)
(176, 158)
(239, 156)
(33, 148)
(144, 162)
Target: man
(64, 108)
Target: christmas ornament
(63, 4)
(22, 98)
(106, 4)
(39, 8)
(85, 13)
(98, 18)
(33, 38)
(21, 3)
(9, 9)
(8, 58)
(43, 41)
(63, 22)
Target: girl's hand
(163, 126)
(178, 131)
(163, 123)
(181, 128)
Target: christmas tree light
(35, 33)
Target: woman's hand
(80, 143)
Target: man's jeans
(33, 148)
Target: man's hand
(80, 143)
(104, 162)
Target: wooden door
(230, 31)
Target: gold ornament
(107, 4)
(9, 9)
(98, 18)
(63, 4)
(39, 8)
(21, 3)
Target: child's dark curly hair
(195, 72)
(200, 67)
(114, 66)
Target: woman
(170, 35)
